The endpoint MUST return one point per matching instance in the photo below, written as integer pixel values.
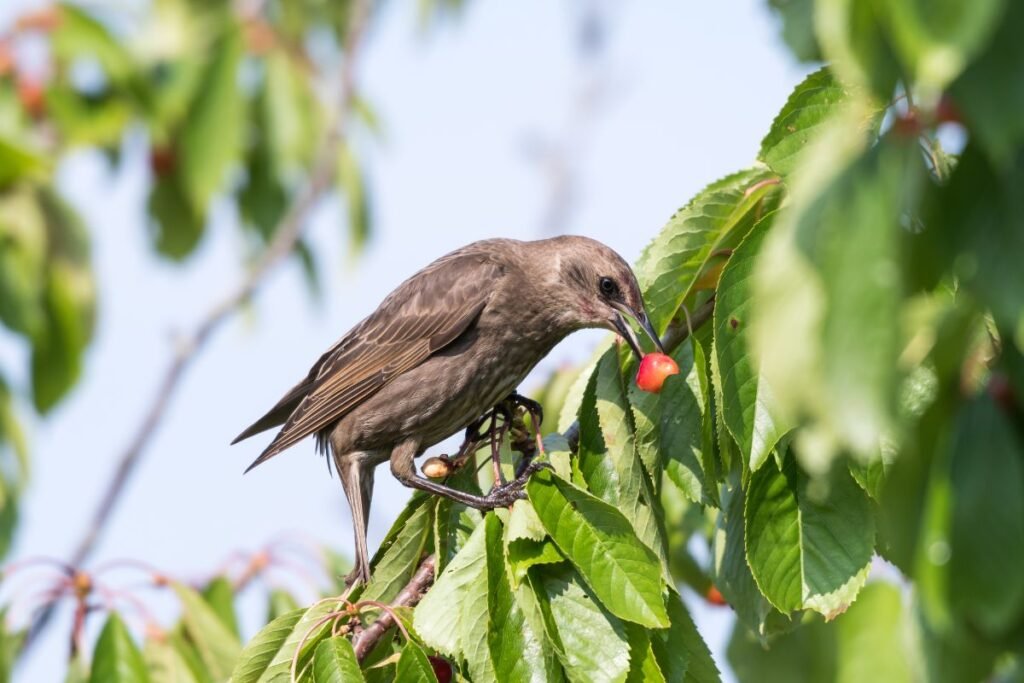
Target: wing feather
(424, 315)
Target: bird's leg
(471, 444)
(404, 468)
(497, 434)
(536, 413)
(356, 473)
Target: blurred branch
(287, 235)
(410, 596)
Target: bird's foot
(528, 406)
(532, 408)
(357, 576)
(505, 495)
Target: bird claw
(505, 495)
(535, 410)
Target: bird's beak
(624, 329)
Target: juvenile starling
(445, 347)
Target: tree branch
(286, 236)
(410, 596)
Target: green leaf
(856, 47)
(454, 522)
(526, 542)
(875, 624)
(211, 138)
(936, 40)
(220, 595)
(353, 187)
(165, 663)
(827, 288)
(400, 552)
(731, 572)
(590, 643)
(643, 665)
(68, 304)
(176, 226)
(524, 553)
(115, 658)
(719, 215)
(269, 655)
(517, 652)
(623, 572)
(979, 219)
(335, 662)
(523, 523)
(453, 615)
(809, 542)
(607, 455)
(682, 637)
(280, 602)
(991, 93)
(264, 647)
(263, 198)
(23, 251)
(798, 28)
(217, 646)
(811, 103)
(955, 654)
(413, 666)
(78, 36)
(987, 528)
(806, 654)
(19, 163)
(749, 410)
(289, 112)
(682, 424)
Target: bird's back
(421, 317)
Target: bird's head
(597, 288)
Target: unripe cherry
(436, 468)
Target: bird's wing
(424, 315)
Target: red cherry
(32, 97)
(715, 597)
(161, 160)
(1001, 392)
(654, 368)
(946, 111)
(907, 125)
(442, 668)
(42, 20)
(6, 58)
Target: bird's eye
(608, 287)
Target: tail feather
(279, 414)
(271, 450)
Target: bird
(445, 347)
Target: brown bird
(445, 347)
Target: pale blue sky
(694, 87)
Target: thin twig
(409, 597)
(287, 235)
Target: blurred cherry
(715, 597)
(162, 160)
(32, 96)
(442, 669)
